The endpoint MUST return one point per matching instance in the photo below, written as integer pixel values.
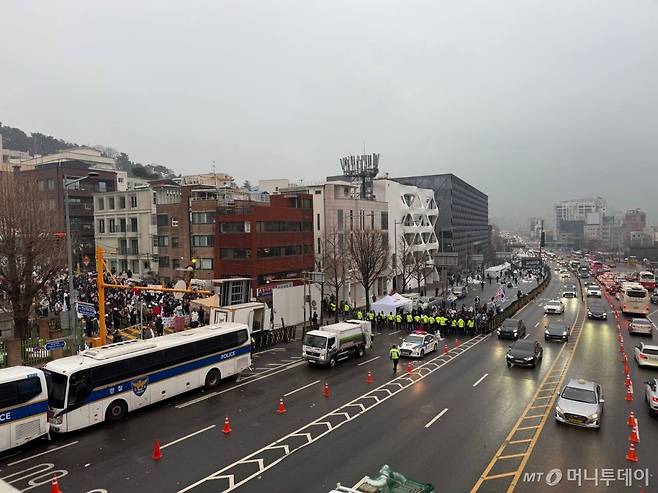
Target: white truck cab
(336, 342)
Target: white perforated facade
(412, 217)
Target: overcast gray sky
(532, 101)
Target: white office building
(412, 216)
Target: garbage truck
(336, 342)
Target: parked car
(646, 355)
(524, 353)
(640, 326)
(512, 328)
(580, 404)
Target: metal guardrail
(266, 338)
(33, 352)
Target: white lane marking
(301, 388)
(436, 417)
(481, 378)
(187, 436)
(396, 332)
(537, 324)
(526, 336)
(213, 394)
(223, 473)
(273, 364)
(368, 361)
(42, 453)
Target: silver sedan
(580, 404)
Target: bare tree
(335, 263)
(30, 254)
(404, 264)
(369, 256)
(418, 261)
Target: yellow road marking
(484, 477)
(511, 456)
(534, 416)
(527, 427)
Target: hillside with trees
(38, 143)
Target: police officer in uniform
(394, 354)
(398, 321)
(410, 321)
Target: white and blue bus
(106, 383)
(23, 406)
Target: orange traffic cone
(410, 367)
(627, 370)
(634, 437)
(627, 382)
(632, 422)
(54, 486)
(631, 456)
(157, 453)
(457, 343)
(281, 409)
(325, 391)
(369, 378)
(629, 394)
(227, 427)
(445, 348)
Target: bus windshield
(56, 389)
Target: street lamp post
(69, 248)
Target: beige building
(86, 155)
(125, 227)
(218, 180)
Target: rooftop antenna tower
(361, 170)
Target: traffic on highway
(561, 396)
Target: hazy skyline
(530, 101)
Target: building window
(133, 201)
(318, 221)
(51, 204)
(110, 203)
(122, 202)
(351, 220)
(174, 241)
(41, 185)
(339, 219)
(203, 217)
(203, 240)
(100, 203)
(384, 222)
(113, 227)
(318, 192)
(123, 247)
(102, 186)
(163, 220)
(205, 264)
(319, 246)
(307, 226)
(234, 253)
(163, 241)
(134, 246)
(51, 184)
(134, 266)
(101, 225)
(307, 204)
(163, 261)
(175, 263)
(372, 219)
(133, 224)
(233, 227)
(122, 224)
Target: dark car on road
(654, 297)
(557, 330)
(597, 310)
(512, 328)
(524, 353)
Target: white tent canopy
(390, 304)
(497, 269)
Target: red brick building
(266, 241)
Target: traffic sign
(85, 309)
(55, 344)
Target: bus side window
(7, 394)
(79, 388)
(28, 389)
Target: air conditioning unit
(174, 223)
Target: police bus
(106, 383)
(23, 406)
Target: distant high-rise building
(634, 220)
(578, 220)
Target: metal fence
(266, 338)
(33, 352)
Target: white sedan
(593, 291)
(418, 345)
(554, 306)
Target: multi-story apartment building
(50, 181)
(412, 218)
(125, 227)
(267, 241)
(634, 220)
(579, 220)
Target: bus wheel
(212, 378)
(116, 411)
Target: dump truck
(336, 342)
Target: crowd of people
(123, 307)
